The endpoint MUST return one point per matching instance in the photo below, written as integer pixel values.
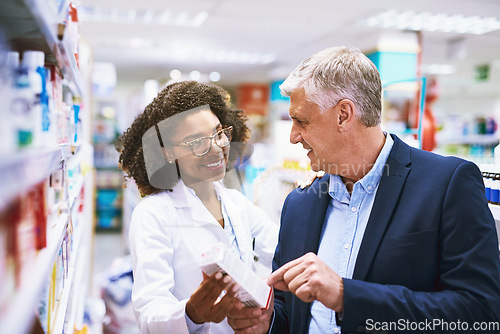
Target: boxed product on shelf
(109, 198)
(109, 219)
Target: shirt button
(346, 246)
(336, 330)
(369, 187)
(353, 209)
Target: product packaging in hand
(253, 292)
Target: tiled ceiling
(263, 40)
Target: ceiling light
(138, 42)
(175, 74)
(150, 17)
(108, 112)
(195, 75)
(199, 19)
(214, 76)
(132, 14)
(438, 69)
(410, 20)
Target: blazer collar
(391, 184)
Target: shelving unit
(24, 169)
(39, 31)
(35, 25)
(14, 320)
(486, 139)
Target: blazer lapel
(316, 216)
(391, 184)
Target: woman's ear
(169, 157)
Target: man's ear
(345, 114)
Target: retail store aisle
(109, 246)
(112, 282)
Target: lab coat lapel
(391, 184)
(235, 212)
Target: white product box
(253, 292)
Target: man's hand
(310, 279)
(250, 320)
(204, 306)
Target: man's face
(315, 129)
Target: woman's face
(209, 167)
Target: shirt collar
(370, 181)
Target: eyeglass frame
(190, 143)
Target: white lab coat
(168, 233)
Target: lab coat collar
(184, 197)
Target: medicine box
(253, 292)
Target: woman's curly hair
(172, 100)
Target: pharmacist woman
(177, 151)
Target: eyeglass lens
(222, 138)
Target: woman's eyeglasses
(202, 145)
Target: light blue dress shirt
(343, 229)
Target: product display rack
(22, 170)
(34, 276)
(39, 30)
(37, 25)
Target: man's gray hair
(339, 73)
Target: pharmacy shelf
(486, 139)
(17, 317)
(82, 156)
(75, 191)
(47, 19)
(39, 31)
(62, 305)
(25, 169)
(77, 296)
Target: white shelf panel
(24, 169)
(62, 305)
(495, 210)
(75, 191)
(78, 290)
(18, 316)
(489, 139)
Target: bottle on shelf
(21, 106)
(33, 61)
(8, 142)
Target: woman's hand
(309, 179)
(246, 320)
(203, 305)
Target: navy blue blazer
(430, 249)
